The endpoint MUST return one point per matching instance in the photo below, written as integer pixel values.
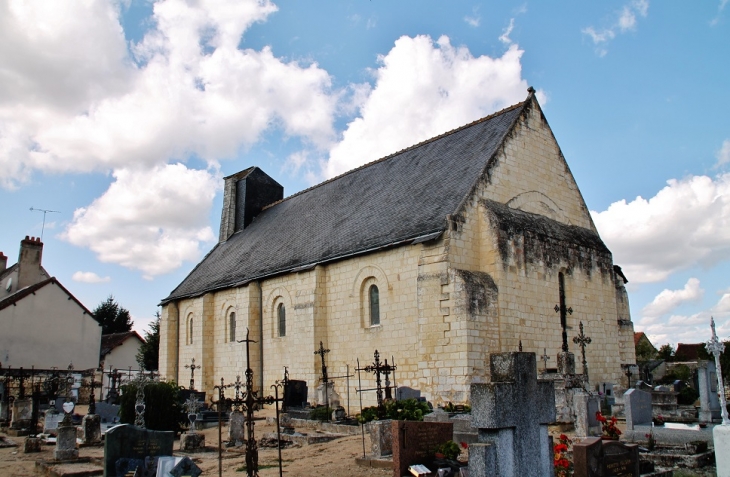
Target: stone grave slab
(22, 413)
(414, 442)
(295, 394)
(51, 421)
(91, 429)
(381, 437)
(707, 385)
(66, 443)
(235, 428)
(126, 446)
(109, 413)
(593, 457)
(637, 407)
(585, 407)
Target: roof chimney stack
(3, 262)
(29, 262)
(245, 194)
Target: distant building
(645, 350)
(42, 324)
(119, 351)
(688, 352)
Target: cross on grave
(20, 379)
(251, 401)
(716, 347)
(582, 340)
(378, 368)
(512, 413)
(192, 367)
(113, 393)
(68, 406)
(285, 384)
(628, 372)
(325, 380)
(544, 358)
(139, 405)
(191, 408)
(93, 384)
(564, 311)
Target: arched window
(190, 330)
(232, 327)
(374, 295)
(281, 313)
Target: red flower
(561, 447)
(464, 445)
(563, 437)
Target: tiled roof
(112, 340)
(637, 337)
(688, 351)
(391, 201)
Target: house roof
(637, 337)
(30, 290)
(114, 340)
(688, 351)
(403, 198)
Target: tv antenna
(44, 217)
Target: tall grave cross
(716, 347)
(378, 368)
(192, 367)
(251, 401)
(564, 311)
(20, 378)
(325, 379)
(582, 340)
(68, 406)
(93, 384)
(139, 405)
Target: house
(43, 325)
(119, 351)
(645, 350)
(689, 352)
(435, 256)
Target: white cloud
(474, 19)
(504, 38)
(422, 89)
(723, 155)
(685, 224)
(148, 220)
(668, 300)
(89, 277)
(73, 99)
(720, 8)
(625, 21)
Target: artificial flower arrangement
(608, 426)
(563, 466)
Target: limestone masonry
(437, 255)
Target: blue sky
(124, 116)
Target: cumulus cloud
(685, 224)
(474, 19)
(693, 328)
(723, 155)
(624, 21)
(89, 277)
(504, 38)
(148, 220)
(668, 300)
(72, 98)
(422, 89)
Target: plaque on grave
(638, 410)
(126, 446)
(295, 393)
(51, 421)
(596, 458)
(414, 442)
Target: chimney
(29, 262)
(245, 194)
(3, 262)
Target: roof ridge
(401, 151)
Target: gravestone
(66, 443)
(126, 446)
(707, 384)
(185, 467)
(381, 437)
(192, 442)
(585, 407)
(414, 442)
(22, 413)
(607, 390)
(91, 429)
(295, 394)
(109, 413)
(32, 444)
(332, 398)
(593, 457)
(165, 464)
(236, 434)
(404, 392)
(512, 413)
(637, 407)
(51, 421)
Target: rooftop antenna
(44, 217)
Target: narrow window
(190, 332)
(374, 306)
(281, 311)
(232, 327)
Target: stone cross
(192, 367)
(716, 347)
(512, 413)
(582, 340)
(544, 358)
(325, 379)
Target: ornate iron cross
(379, 368)
(325, 379)
(582, 340)
(545, 358)
(92, 399)
(564, 311)
(192, 367)
(716, 348)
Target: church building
(436, 256)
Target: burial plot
(295, 394)
(586, 406)
(126, 446)
(637, 405)
(415, 443)
(707, 384)
(512, 413)
(593, 457)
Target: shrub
(321, 413)
(163, 410)
(406, 410)
(687, 396)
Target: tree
(666, 352)
(112, 317)
(148, 355)
(645, 351)
(724, 359)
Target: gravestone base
(66, 444)
(721, 437)
(32, 444)
(381, 437)
(192, 442)
(585, 407)
(18, 432)
(91, 429)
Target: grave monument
(721, 433)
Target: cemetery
(511, 427)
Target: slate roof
(405, 196)
(113, 340)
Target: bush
(163, 410)
(321, 413)
(406, 410)
(687, 396)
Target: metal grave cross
(582, 340)
(192, 367)
(716, 348)
(325, 379)
(378, 368)
(191, 408)
(564, 311)
(93, 384)
(545, 358)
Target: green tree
(113, 318)
(163, 411)
(724, 359)
(645, 351)
(148, 355)
(666, 352)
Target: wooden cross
(545, 358)
(564, 311)
(582, 340)
(192, 367)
